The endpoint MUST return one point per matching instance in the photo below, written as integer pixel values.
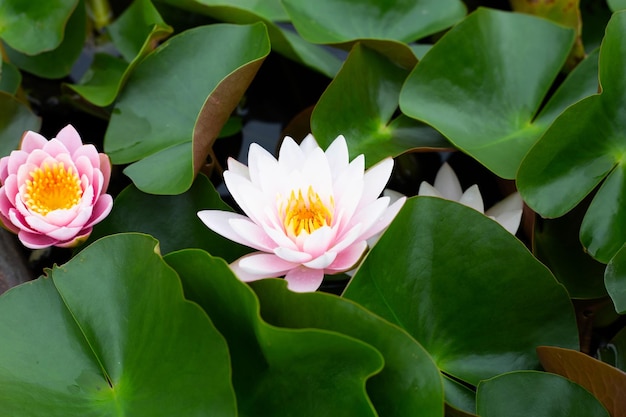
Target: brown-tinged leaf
(606, 383)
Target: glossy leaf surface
(409, 384)
(269, 361)
(57, 62)
(172, 121)
(332, 21)
(615, 280)
(483, 83)
(537, 394)
(460, 260)
(34, 27)
(360, 103)
(584, 148)
(100, 335)
(10, 78)
(173, 220)
(605, 382)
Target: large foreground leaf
(177, 100)
(110, 334)
(440, 260)
(537, 394)
(482, 84)
(278, 371)
(583, 148)
(409, 384)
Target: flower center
(52, 188)
(306, 214)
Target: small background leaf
(605, 382)
(15, 119)
(615, 280)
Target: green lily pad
(176, 101)
(10, 77)
(57, 62)
(136, 33)
(616, 5)
(537, 394)
(482, 85)
(15, 119)
(284, 41)
(34, 27)
(360, 103)
(409, 384)
(583, 148)
(173, 220)
(278, 371)
(110, 334)
(615, 280)
(332, 21)
(451, 260)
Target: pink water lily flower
(309, 213)
(53, 192)
(507, 212)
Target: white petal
(472, 198)
(252, 233)
(510, 220)
(385, 219)
(292, 255)
(290, 156)
(348, 258)
(238, 168)
(322, 261)
(512, 202)
(375, 180)
(220, 222)
(318, 242)
(447, 183)
(266, 264)
(428, 190)
(263, 168)
(338, 156)
(250, 198)
(309, 144)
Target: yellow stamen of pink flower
(306, 214)
(52, 188)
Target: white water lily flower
(309, 213)
(507, 212)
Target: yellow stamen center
(306, 214)
(52, 188)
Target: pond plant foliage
(413, 305)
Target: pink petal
(76, 240)
(15, 161)
(291, 255)
(64, 233)
(279, 237)
(266, 264)
(35, 240)
(10, 188)
(70, 138)
(4, 214)
(251, 200)
(375, 180)
(447, 183)
(101, 209)
(105, 169)
(4, 169)
(84, 167)
(31, 141)
(252, 233)
(348, 238)
(348, 258)
(55, 148)
(40, 225)
(87, 151)
(303, 279)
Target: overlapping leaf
(409, 384)
(360, 103)
(110, 334)
(439, 260)
(135, 34)
(10, 77)
(584, 147)
(482, 85)
(271, 13)
(615, 280)
(57, 62)
(177, 100)
(34, 27)
(173, 220)
(278, 371)
(605, 382)
(537, 394)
